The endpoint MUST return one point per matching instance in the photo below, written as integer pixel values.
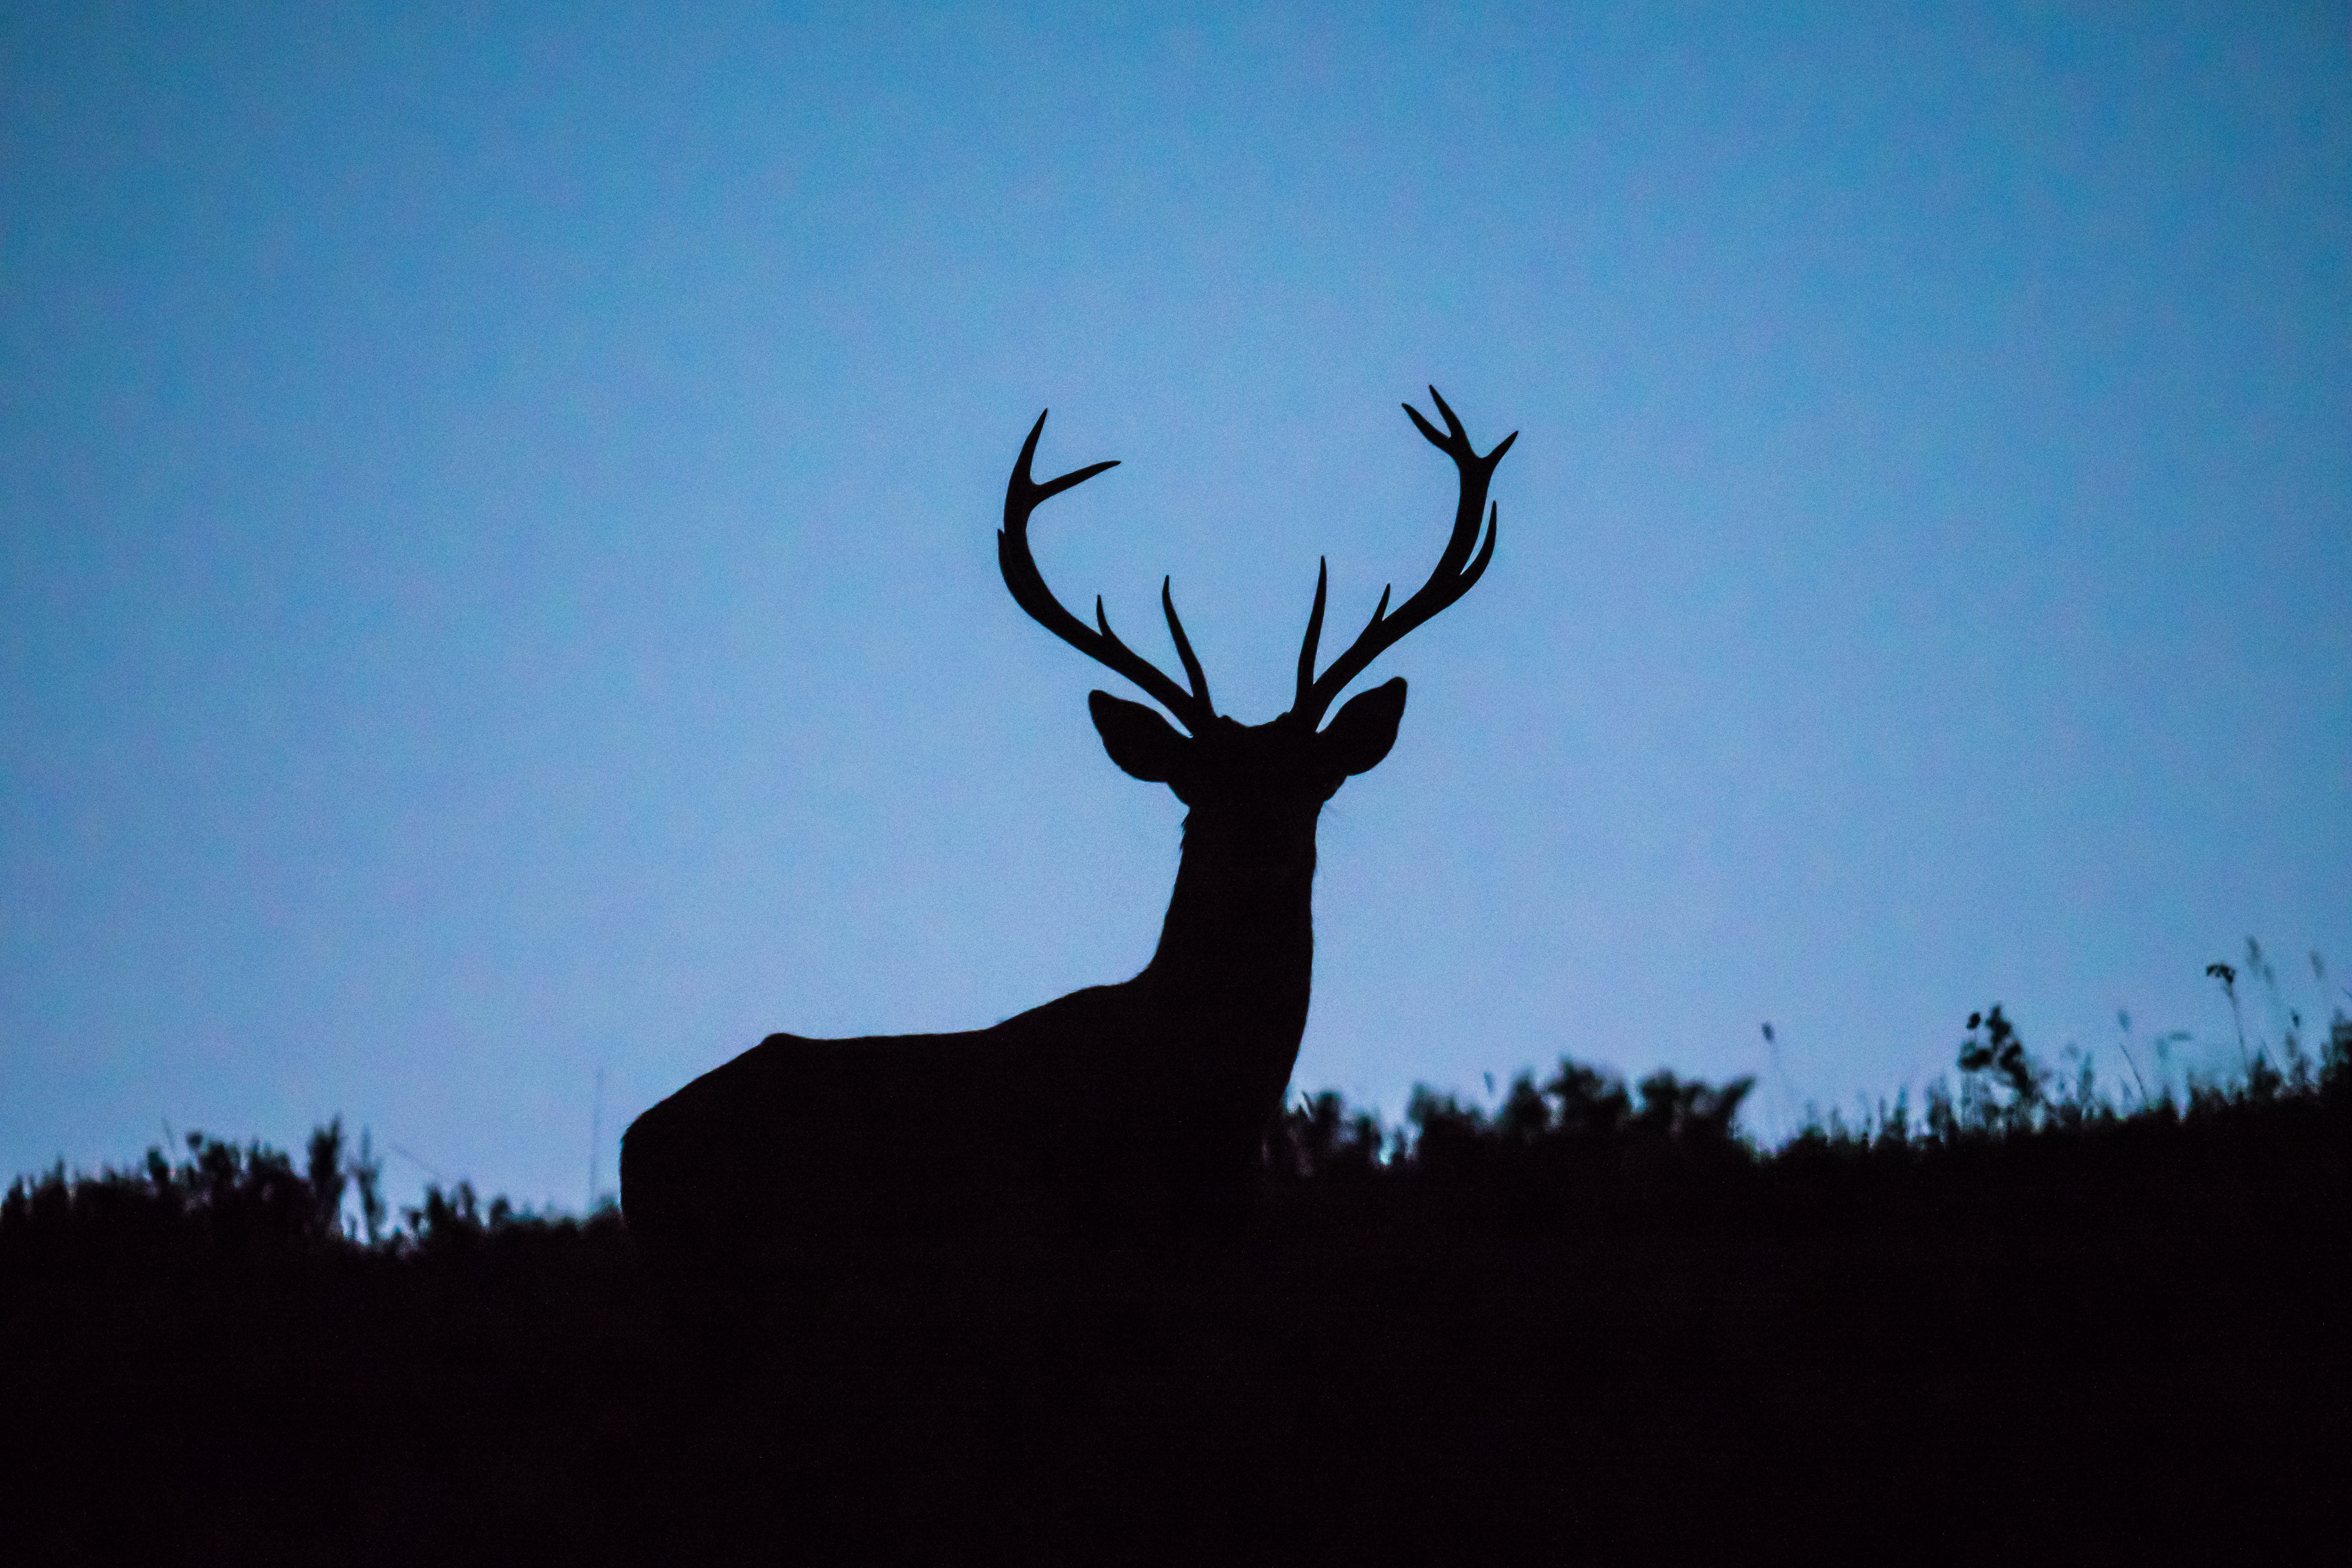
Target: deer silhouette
(1160, 1087)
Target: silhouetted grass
(1594, 1319)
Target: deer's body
(1161, 1082)
(1160, 1087)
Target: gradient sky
(497, 575)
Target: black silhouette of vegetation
(1593, 1318)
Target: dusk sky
(497, 574)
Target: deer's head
(1259, 782)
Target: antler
(1456, 570)
(1022, 495)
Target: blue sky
(497, 561)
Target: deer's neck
(1236, 954)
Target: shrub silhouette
(2001, 1052)
(1320, 1140)
(248, 1205)
(1575, 1134)
(224, 1200)
(1578, 1133)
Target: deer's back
(795, 1132)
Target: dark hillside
(1591, 1324)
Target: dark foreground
(2034, 1352)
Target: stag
(1162, 1086)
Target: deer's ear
(1138, 739)
(1357, 740)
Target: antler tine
(1314, 636)
(1027, 585)
(1192, 670)
(1455, 571)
